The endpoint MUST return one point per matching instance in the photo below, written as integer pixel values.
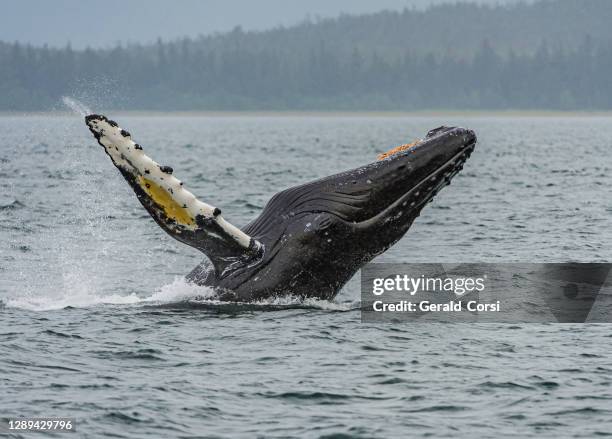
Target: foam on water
(81, 293)
(179, 291)
(72, 299)
(310, 302)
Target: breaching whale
(310, 239)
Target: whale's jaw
(407, 181)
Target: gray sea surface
(96, 322)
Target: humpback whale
(309, 240)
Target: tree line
(240, 71)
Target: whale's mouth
(424, 190)
(411, 175)
(397, 185)
(404, 178)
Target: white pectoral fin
(172, 206)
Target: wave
(12, 205)
(81, 295)
(178, 293)
(54, 302)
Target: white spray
(76, 106)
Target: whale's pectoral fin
(174, 208)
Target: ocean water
(96, 322)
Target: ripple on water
(12, 205)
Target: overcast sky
(104, 23)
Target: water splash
(81, 294)
(75, 299)
(291, 301)
(178, 291)
(76, 106)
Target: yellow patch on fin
(396, 150)
(163, 199)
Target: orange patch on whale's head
(396, 150)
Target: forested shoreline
(325, 65)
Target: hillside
(546, 55)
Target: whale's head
(389, 194)
(322, 232)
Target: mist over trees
(547, 55)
